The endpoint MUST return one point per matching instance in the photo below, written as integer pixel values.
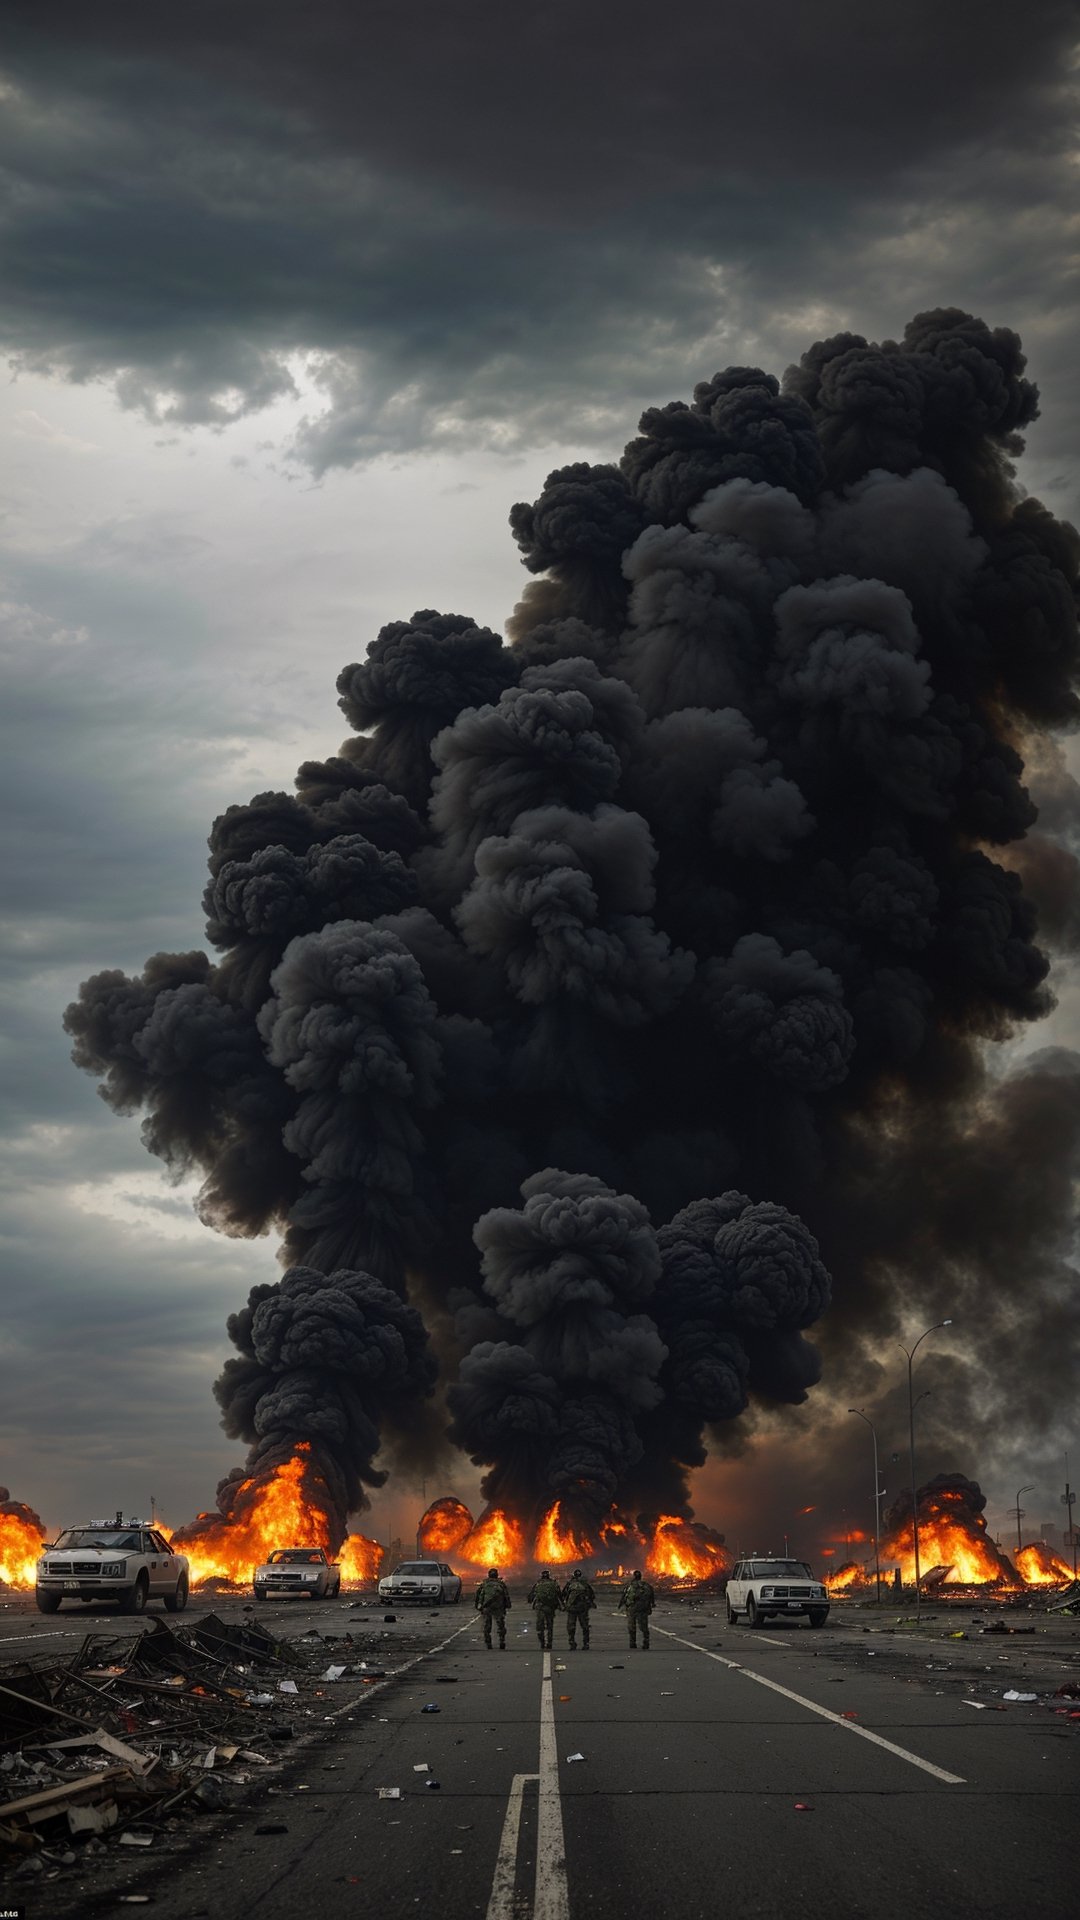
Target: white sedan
(429, 1580)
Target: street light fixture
(911, 1352)
(878, 1491)
(1020, 1514)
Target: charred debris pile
(128, 1737)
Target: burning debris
(443, 1528)
(22, 1536)
(287, 1506)
(955, 1548)
(667, 1545)
(952, 1535)
(609, 990)
(1039, 1566)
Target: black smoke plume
(704, 897)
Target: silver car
(428, 1580)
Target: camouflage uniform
(493, 1603)
(545, 1601)
(639, 1600)
(578, 1597)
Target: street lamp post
(1019, 1516)
(878, 1491)
(911, 1352)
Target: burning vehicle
(304, 1572)
(128, 1563)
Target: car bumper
(778, 1609)
(82, 1589)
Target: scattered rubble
(118, 1742)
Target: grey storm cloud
(618, 1001)
(475, 240)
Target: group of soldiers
(576, 1599)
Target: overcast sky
(296, 302)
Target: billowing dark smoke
(703, 896)
(952, 1494)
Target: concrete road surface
(720, 1774)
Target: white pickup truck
(305, 1571)
(762, 1587)
(129, 1563)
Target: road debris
(120, 1738)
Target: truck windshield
(418, 1566)
(109, 1537)
(781, 1570)
(295, 1556)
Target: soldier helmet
(544, 1574)
(493, 1573)
(636, 1575)
(577, 1573)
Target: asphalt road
(718, 1772)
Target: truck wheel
(135, 1598)
(336, 1595)
(260, 1595)
(47, 1602)
(818, 1616)
(753, 1617)
(176, 1602)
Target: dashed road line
(848, 1726)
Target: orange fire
(849, 1576)
(1040, 1566)
(495, 1541)
(443, 1527)
(685, 1550)
(21, 1542)
(950, 1535)
(556, 1543)
(360, 1560)
(267, 1512)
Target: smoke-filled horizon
(611, 989)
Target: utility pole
(911, 1352)
(878, 1491)
(1068, 1501)
(1019, 1511)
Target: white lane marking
(849, 1726)
(771, 1642)
(551, 1900)
(378, 1685)
(501, 1903)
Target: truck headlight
(115, 1570)
(767, 1593)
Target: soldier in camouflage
(577, 1598)
(493, 1604)
(545, 1601)
(639, 1600)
